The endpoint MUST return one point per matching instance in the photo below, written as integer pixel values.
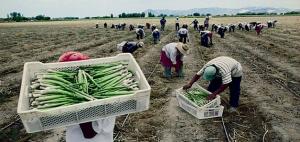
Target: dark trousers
(162, 28)
(222, 34)
(206, 26)
(195, 27)
(155, 39)
(204, 40)
(234, 87)
(182, 38)
(177, 26)
(139, 36)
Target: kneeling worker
(129, 47)
(221, 72)
(172, 56)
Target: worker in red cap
(96, 131)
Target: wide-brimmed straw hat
(183, 48)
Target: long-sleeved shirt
(183, 31)
(171, 51)
(177, 21)
(227, 68)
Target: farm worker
(201, 28)
(156, 36)
(140, 26)
(241, 26)
(105, 25)
(271, 23)
(112, 26)
(231, 28)
(97, 131)
(258, 28)
(221, 31)
(183, 33)
(195, 22)
(153, 27)
(140, 33)
(177, 24)
(172, 56)
(148, 25)
(97, 26)
(214, 27)
(129, 47)
(206, 23)
(206, 38)
(123, 26)
(131, 27)
(163, 22)
(247, 27)
(221, 72)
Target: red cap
(72, 56)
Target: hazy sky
(82, 8)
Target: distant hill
(218, 11)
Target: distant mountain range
(218, 11)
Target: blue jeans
(234, 87)
(168, 72)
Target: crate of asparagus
(194, 101)
(67, 93)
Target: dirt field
(269, 103)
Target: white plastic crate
(209, 110)
(212, 104)
(40, 120)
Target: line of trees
(18, 17)
(150, 14)
(131, 15)
(253, 13)
(292, 13)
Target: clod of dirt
(151, 82)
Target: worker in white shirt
(183, 34)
